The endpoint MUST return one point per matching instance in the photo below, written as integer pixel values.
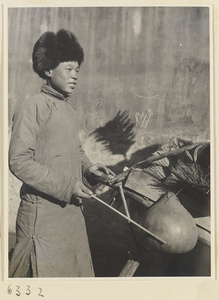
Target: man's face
(64, 77)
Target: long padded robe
(45, 154)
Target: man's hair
(52, 49)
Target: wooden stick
(129, 269)
(124, 201)
(167, 154)
(162, 242)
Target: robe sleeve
(85, 162)
(22, 157)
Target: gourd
(169, 220)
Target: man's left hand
(99, 170)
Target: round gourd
(171, 222)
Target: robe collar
(50, 91)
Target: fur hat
(51, 49)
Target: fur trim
(51, 49)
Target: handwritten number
(17, 290)
(9, 289)
(28, 289)
(40, 293)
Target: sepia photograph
(108, 157)
(109, 142)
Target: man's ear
(48, 73)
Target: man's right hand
(81, 191)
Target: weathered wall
(151, 61)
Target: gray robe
(46, 155)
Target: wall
(150, 61)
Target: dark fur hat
(51, 49)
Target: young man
(46, 155)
